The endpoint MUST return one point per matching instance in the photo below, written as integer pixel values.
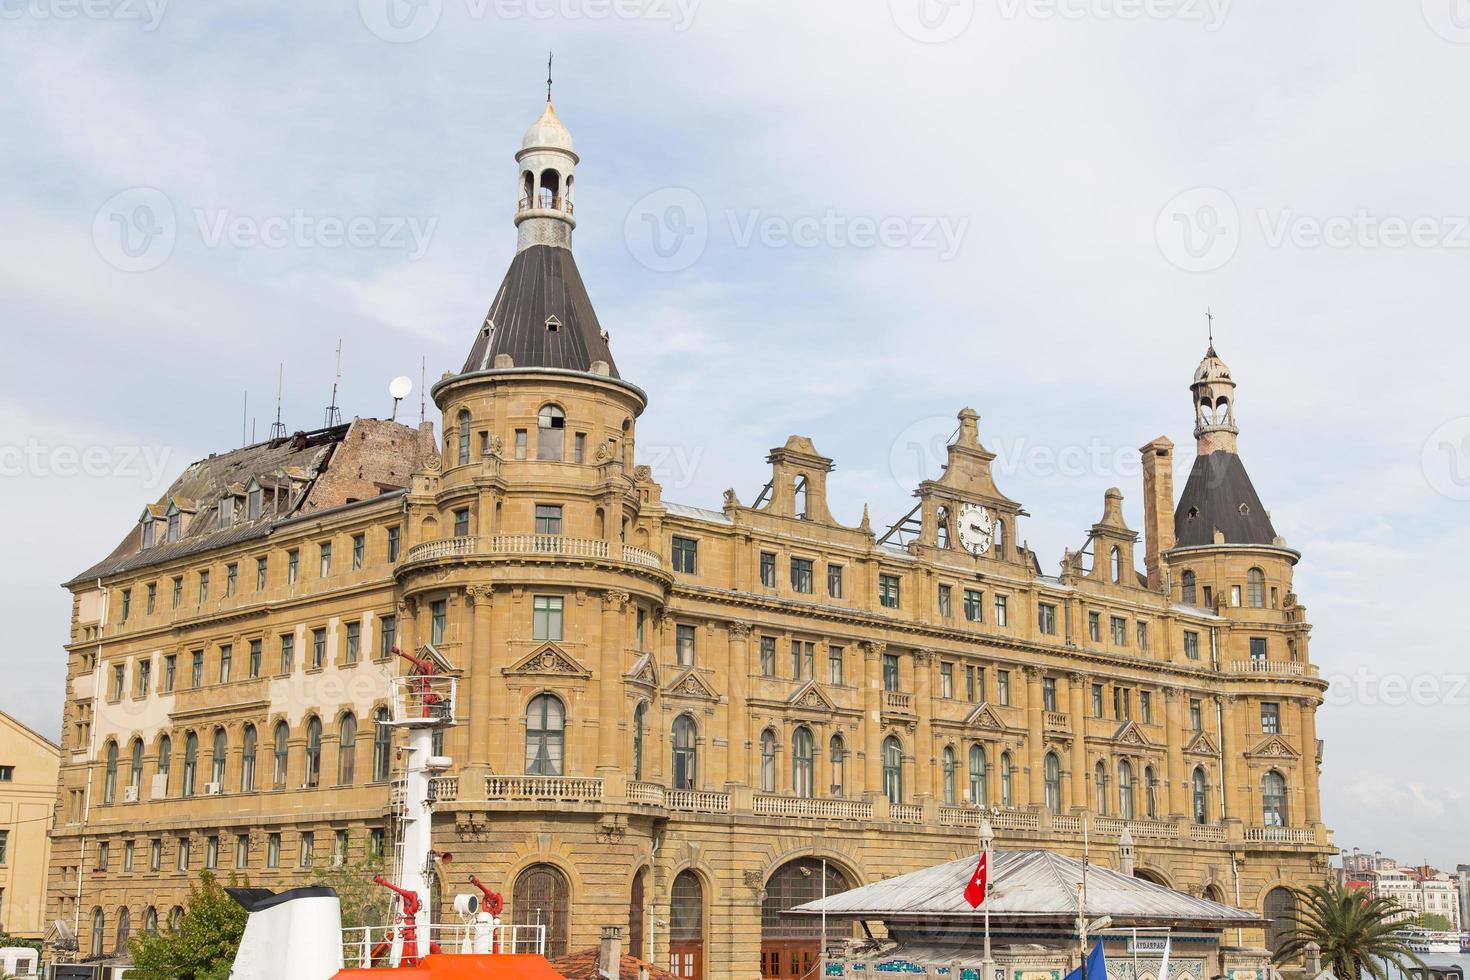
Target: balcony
(1207, 833)
(898, 701)
(542, 545)
(1275, 668)
(647, 794)
(1139, 829)
(695, 801)
(561, 789)
(905, 813)
(811, 809)
(1056, 721)
(1279, 835)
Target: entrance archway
(686, 927)
(789, 944)
(637, 914)
(1279, 907)
(542, 897)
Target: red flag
(975, 890)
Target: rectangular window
(834, 581)
(196, 668)
(170, 672)
(104, 855)
(254, 668)
(768, 656)
(1209, 597)
(318, 648)
(1122, 703)
(339, 849)
(359, 550)
(127, 603)
(226, 662)
(395, 537)
(1258, 649)
(178, 595)
(946, 679)
(1119, 628)
(145, 677)
(1048, 694)
(888, 591)
(835, 666)
(377, 843)
(7, 774)
(273, 851)
(686, 555)
(803, 660)
(1097, 700)
(232, 579)
(970, 688)
(1094, 627)
(211, 852)
(579, 447)
(1142, 629)
(1270, 718)
(183, 862)
(946, 601)
(387, 636)
(462, 523)
(546, 617)
(1235, 595)
(155, 854)
(293, 565)
(4, 847)
(204, 587)
(768, 569)
(1046, 618)
(548, 518)
(520, 444)
(288, 652)
(974, 606)
(1000, 611)
(639, 627)
(1146, 707)
(890, 672)
(1191, 644)
(326, 558)
(262, 568)
(1196, 715)
(152, 597)
(242, 851)
(354, 643)
(684, 645)
(801, 575)
(129, 852)
(1003, 686)
(438, 621)
(119, 672)
(308, 848)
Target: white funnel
(296, 935)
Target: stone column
(610, 681)
(1076, 783)
(1035, 782)
(477, 706)
(873, 717)
(1230, 755)
(928, 775)
(1174, 797)
(1310, 798)
(739, 721)
(506, 742)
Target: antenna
(548, 77)
(1210, 320)
(278, 430)
(334, 415)
(244, 417)
(423, 362)
(399, 388)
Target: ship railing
(372, 947)
(423, 701)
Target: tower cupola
(1214, 405)
(547, 177)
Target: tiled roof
(582, 965)
(1219, 494)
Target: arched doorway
(1279, 907)
(789, 943)
(541, 897)
(686, 927)
(637, 913)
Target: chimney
(610, 954)
(1158, 507)
(1125, 853)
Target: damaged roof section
(241, 495)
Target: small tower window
(551, 439)
(552, 324)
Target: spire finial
(548, 77)
(1210, 320)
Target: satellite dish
(400, 386)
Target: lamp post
(987, 837)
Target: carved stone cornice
(739, 631)
(475, 594)
(615, 599)
(872, 648)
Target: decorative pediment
(550, 659)
(811, 696)
(983, 716)
(691, 685)
(1202, 744)
(1130, 734)
(1274, 747)
(644, 672)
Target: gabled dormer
(1111, 543)
(798, 485)
(964, 510)
(153, 525)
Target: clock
(976, 528)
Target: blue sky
(844, 221)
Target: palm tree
(1354, 932)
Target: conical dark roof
(1219, 495)
(542, 283)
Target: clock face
(976, 528)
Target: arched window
(1100, 788)
(1052, 775)
(640, 719)
(979, 777)
(803, 761)
(217, 760)
(768, 761)
(382, 746)
(247, 760)
(109, 781)
(799, 489)
(191, 762)
(282, 756)
(1187, 588)
(313, 752)
(1255, 587)
(150, 921)
(1150, 793)
(1273, 799)
(1125, 790)
(176, 918)
(837, 759)
(950, 765)
(99, 932)
(546, 721)
(547, 196)
(1006, 798)
(686, 758)
(124, 929)
(686, 926)
(347, 750)
(462, 423)
(165, 760)
(1201, 787)
(638, 911)
(893, 769)
(1000, 539)
(793, 939)
(542, 897)
(1116, 561)
(551, 436)
(1280, 907)
(135, 769)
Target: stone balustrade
(550, 545)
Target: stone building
(28, 762)
(672, 715)
(1419, 890)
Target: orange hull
(464, 967)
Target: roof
(582, 965)
(1026, 885)
(464, 967)
(697, 513)
(541, 283)
(1219, 494)
(28, 730)
(547, 131)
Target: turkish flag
(975, 890)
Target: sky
(846, 221)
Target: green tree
(1354, 932)
(202, 947)
(1435, 921)
(363, 903)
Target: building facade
(672, 718)
(1420, 890)
(28, 766)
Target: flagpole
(987, 836)
(1082, 899)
